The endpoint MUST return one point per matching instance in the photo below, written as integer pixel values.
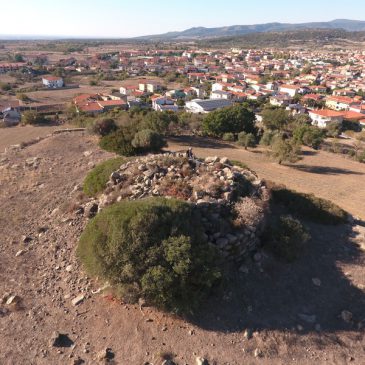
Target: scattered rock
(258, 353)
(105, 354)
(201, 361)
(13, 299)
(346, 316)
(19, 253)
(248, 334)
(60, 340)
(80, 298)
(309, 318)
(26, 239)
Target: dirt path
(38, 185)
(324, 174)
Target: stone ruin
(232, 201)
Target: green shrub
(97, 178)
(104, 126)
(119, 142)
(229, 137)
(246, 139)
(308, 206)
(152, 249)
(286, 237)
(147, 140)
(267, 137)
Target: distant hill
(239, 30)
(293, 38)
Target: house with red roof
(321, 118)
(52, 82)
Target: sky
(126, 18)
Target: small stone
(300, 327)
(105, 354)
(248, 334)
(309, 318)
(257, 256)
(201, 361)
(316, 281)
(87, 153)
(26, 239)
(346, 316)
(318, 327)
(243, 269)
(258, 353)
(13, 299)
(60, 340)
(80, 298)
(68, 268)
(19, 253)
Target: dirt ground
(327, 175)
(292, 320)
(20, 134)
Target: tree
(309, 136)
(104, 126)
(275, 119)
(148, 140)
(18, 58)
(246, 140)
(333, 129)
(285, 150)
(302, 119)
(234, 119)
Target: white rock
(80, 298)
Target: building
(163, 103)
(291, 90)
(52, 82)
(206, 106)
(339, 102)
(150, 87)
(321, 118)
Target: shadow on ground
(284, 295)
(193, 141)
(325, 170)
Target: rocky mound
(232, 201)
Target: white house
(52, 82)
(206, 106)
(321, 118)
(292, 90)
(220, 94)
(164, 103)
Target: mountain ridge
(237, 30)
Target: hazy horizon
(115, 19)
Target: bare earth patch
(293, 320)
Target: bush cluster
(152, 249)
(286, 237)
